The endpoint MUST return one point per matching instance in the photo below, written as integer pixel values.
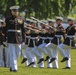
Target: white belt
(58, 36)
(50, 38)
(43, 38)
(14, 31)
(70, 36)
(33, 38)
(28, 37)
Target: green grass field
(22, 70)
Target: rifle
(36, 29)
(43, 23)
(28, 25)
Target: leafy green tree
(39, 8)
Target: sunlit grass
(22, 70)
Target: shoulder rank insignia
(20, 21)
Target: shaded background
(40, 8)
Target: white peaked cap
(14, 7)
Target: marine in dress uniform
(30, 41)
(6, 50)
(25, 44)
(15, 35)
(46, 38)
(2, 45)
(51, 35)
(40, 42)
(65, 47)
(55, 41)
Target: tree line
(39, 8)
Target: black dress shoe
(66, 68)
(10, 69)
(47, 58)
(41, 67)
(42, 59)
(52, 59)
(55, 68)
(14, 71)
(31, 63)
(24, 60)
(49, 67)
(64, 59)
